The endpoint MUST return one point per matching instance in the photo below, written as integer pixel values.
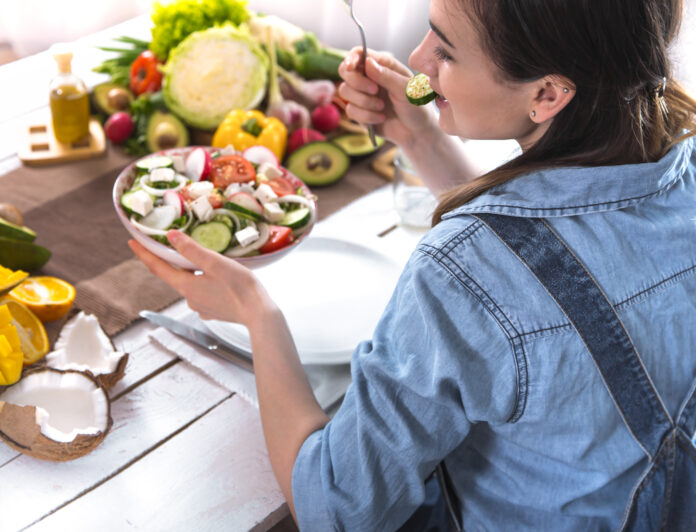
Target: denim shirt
(474, 362)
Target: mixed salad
(236, 203)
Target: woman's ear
(552, 94)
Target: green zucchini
(419, 91)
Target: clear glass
(412, 200)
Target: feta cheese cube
(269, 170)
(247, 187)
(232, 188)
(141, 202)
(273, 212)
(179, 163)
(228, 150)
(247, 235)
(202, 208)
(162, 174)
(200, 188)
(265, 193)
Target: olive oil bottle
(69, 100)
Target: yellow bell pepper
(243, 129)
(11, 356)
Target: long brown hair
(615, 53)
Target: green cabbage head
(212, 72)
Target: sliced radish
(198, 164)
(161, 217)
(246, 201)
(261, 154)
(175, 200)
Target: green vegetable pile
(176, 21)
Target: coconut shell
(19, 430)
(108, 380)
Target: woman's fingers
(360, 99)
(394, 82)
(363, 115)
(170, 275)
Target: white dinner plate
(332, 293)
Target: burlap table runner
(70, 208)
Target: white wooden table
(184, 453)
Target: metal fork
(349, 5)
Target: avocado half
(358, 145)
(318, 163)
(165, 131)
(17, 232)
(109, 98)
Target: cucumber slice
(295, 219)
(127, 198)
(213, 235)
(150, 163)
(242, 210)
(419, 91)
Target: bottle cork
(62, 53)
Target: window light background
(31, 26)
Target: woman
(474, 363)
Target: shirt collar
(581, 190)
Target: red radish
(259, 155)
(119, 127)
(174, 199)
(303, 136)
(246, 201)
(198, 164)
(326, 117)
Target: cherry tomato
(281, 186)
(145, 75)
(279, 238)
(215, 199)
(231, 169)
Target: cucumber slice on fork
(419, 91)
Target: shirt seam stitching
(476, 208)
(675, 277)
(517, 348)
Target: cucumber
(419, 91)
(126, 199)
(295, 219)
(213, 235)
(318, 65)
(245, 204)
(150, 163)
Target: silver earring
(566, 90)
(533, 113)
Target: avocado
(16, 232)
(357, 145)
(109, 98)
(21, 255)
(318, 163)
(165, 131)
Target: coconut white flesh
(67, 404)
(83, 346)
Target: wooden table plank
(217, 477)
(143, 418)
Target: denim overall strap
(594, 318)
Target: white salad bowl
(125, 180)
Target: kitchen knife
(202, 338)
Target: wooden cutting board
(41, 146)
